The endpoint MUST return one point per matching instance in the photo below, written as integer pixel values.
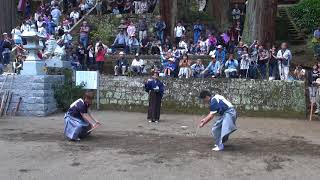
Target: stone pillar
(33, 65)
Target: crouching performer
(225, 124)
(78, 120)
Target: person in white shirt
(75, 15)
(137, 65)
(67, 38)
(284, 57)
(42, 32)
(183, 47)
(179, 31)
(16, 34)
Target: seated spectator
(184, 65)
(145, 45)
(121, 66)
(120, 41)
(169, 67)
(299, 73)
(221, 54)
(183, 46)
(67, 39)
(213, 69)
(133, 44)
(115, 10)
(211, 42)
(18, 64)
(137, 65)
(176, 53)
(231, 67)
(131, 29)
(74, 15)
(155, 50)
(75, 64)
(197, 68)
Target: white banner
(88, 78)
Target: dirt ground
(127, 147)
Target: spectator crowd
(229, 56)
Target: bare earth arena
(126, 147)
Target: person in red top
(101, 51)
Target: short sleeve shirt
(77, 108)
(219, 105)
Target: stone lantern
(33, 65)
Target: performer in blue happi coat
(78, 120)
(155, 88)
(226, 122)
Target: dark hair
(204, 94)
(88, 94)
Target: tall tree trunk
(8, 8)
(169, 12)
(220, 11)
(260, 21)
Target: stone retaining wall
(36, 93)
(251, 97)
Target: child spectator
(185, 64)
(169, 67)
(197, 68)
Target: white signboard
(88, 78)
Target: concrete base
(36, 93)
(33, 68)
(57, 63)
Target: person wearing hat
(213, 69)
(78, 119)
(121, 66)
(155, 88)
(170, 67)
(221, 54)
(137, 65)
(226, 121)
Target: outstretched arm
(207, 119)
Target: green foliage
(306, 14)
(66, 93)
(104, 27)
